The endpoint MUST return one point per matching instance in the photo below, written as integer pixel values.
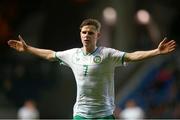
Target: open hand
(166, 46)
(18, 45)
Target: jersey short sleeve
(65, 57)
(116, 57)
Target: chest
(93, 65)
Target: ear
(98, 35)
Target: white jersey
(94, 74)
(26, 113)
(133, 113)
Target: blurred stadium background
(54, 24)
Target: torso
(94, 75)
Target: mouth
(86, 40)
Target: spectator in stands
(28, 111)
(132, 111)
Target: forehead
(88, 28)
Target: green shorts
(110, 117)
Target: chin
(85, 45)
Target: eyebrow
(89, 32)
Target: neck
(87, 50)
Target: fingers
(164, 40)
(13, 43)
(172, 45)
(20, 38)
(172, 42)
(168, 42)
(171, 49)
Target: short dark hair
(91, 21)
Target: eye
(84, 32)
(90, 33)
(87, 32)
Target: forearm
(141, 55)
(43, 53)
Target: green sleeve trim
(59, 60)
(122, 60)
(55, 56)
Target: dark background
(55, 25)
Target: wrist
(26, 48)
(157, 51)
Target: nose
(87, 33)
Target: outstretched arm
(21, 46)
(164, 47)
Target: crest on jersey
(97, 59)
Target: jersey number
(85, 70)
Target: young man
(93, 68)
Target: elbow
(50, 56)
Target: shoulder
(104, 49)
(66, 53)
(107, 50)
(72, 50)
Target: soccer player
(93, 67)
